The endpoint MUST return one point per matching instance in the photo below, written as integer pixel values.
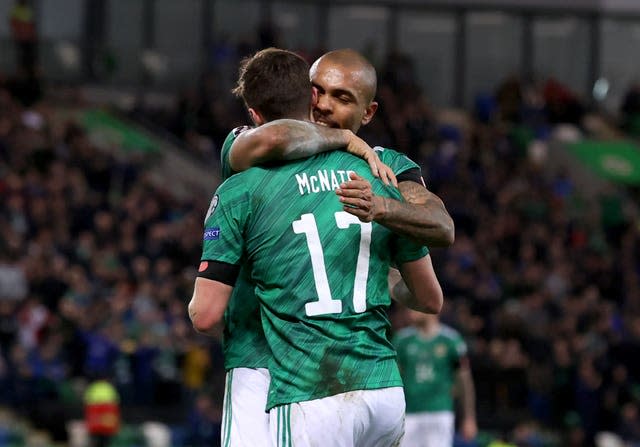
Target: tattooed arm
(423, 217)
(289, 139)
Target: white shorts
(429, 429)
(244, 420)
(364, 418)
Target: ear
(314, 96)
(256, 117)
(369, 111)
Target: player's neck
(428, 329)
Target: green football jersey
(428, 366)
(319, 273)
(244, 343)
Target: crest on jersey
(441, 350)
(238, 130)
(212, 206)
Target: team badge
(440, 350)
(238, 130)
(212, 207)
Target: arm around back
(418, 288)
(284, 139)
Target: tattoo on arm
(284, 139)
(422, 217)
(303, 139)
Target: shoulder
(390, 153)
(397, 161)
(453, 336)
(238, 130)
(231, 136)
(235, 186)
(385, 152)
(449, 332)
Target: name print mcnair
(323, 180)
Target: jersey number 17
(326, 304)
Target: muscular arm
(423, 217)
(208, 304)
(284, 139)
(418, 289)
(289, 139)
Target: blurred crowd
(97, 262)
(96, 265)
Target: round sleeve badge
(212, 207)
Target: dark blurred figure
(630, 110)
(509, 99)
(563, 106)
(23, 30)
(204, 423)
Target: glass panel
(297, 25)
(237, 20)
(6, 46)
(493, 51)
(124, 38)
(363, 28)
(561, 50)
(60, 32)
(5, 9)
(61, 19)
(7, 57)
(178, 35)
(620, 43)
(430, 40)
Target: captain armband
(219, 271)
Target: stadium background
(524, 116)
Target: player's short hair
(275, 83)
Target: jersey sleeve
(459, 350)
(460, 346)
(405, 250)
(397, 161)
(223, 238)
(226, 151)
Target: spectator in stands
(630, 110)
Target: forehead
(332, 76)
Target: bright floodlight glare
(600, 89)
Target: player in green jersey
(433, 359)
(246, 355)
(259, 214)
(345, 84)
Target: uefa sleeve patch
(212, 234)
